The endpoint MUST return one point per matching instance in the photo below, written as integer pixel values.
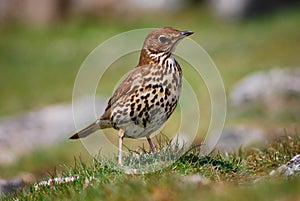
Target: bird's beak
(186, 33)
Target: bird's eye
(163, 39)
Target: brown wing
(134, 76)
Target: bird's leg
(121, 136)
(151, 144)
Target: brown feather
(135, 74)
(91, 129)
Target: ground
(38, 68)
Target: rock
(262, 85)
(43, 12)
(93, 7)
(277, 91)
(158, 5)
(6, 7)
(11, 186)
(131, 7)
(22, 133)
(289, 169)
(195, 179)
(229, 9)
(38, 12)
(233, 138)
(240, 9)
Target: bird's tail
(98, 124)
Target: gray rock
(233, 138)
(276, 92)
(33, 11)
(230, 9)
(240, 9)
(11, 186)
(289, 169)
(22, 133)
(43, 12)
(131, 7)
(265, 85)
(158, 5)
(195, 179)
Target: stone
(289, 169)
(195, 179)
(242, 135)
(237, 10)
(11, 186)
(276, 91)
(22, 133)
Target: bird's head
(164, 39)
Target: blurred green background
(39, 60)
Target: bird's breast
(150, 101)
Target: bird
(149, 93)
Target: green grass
(43, 160)
(231, 177)
(39, 65)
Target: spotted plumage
(148, 95)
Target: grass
(39, 65)
(230, 177)
(43, 160)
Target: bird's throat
(153, 57)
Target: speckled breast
(150, 101)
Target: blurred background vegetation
(43, 44)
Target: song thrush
(146, 98)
